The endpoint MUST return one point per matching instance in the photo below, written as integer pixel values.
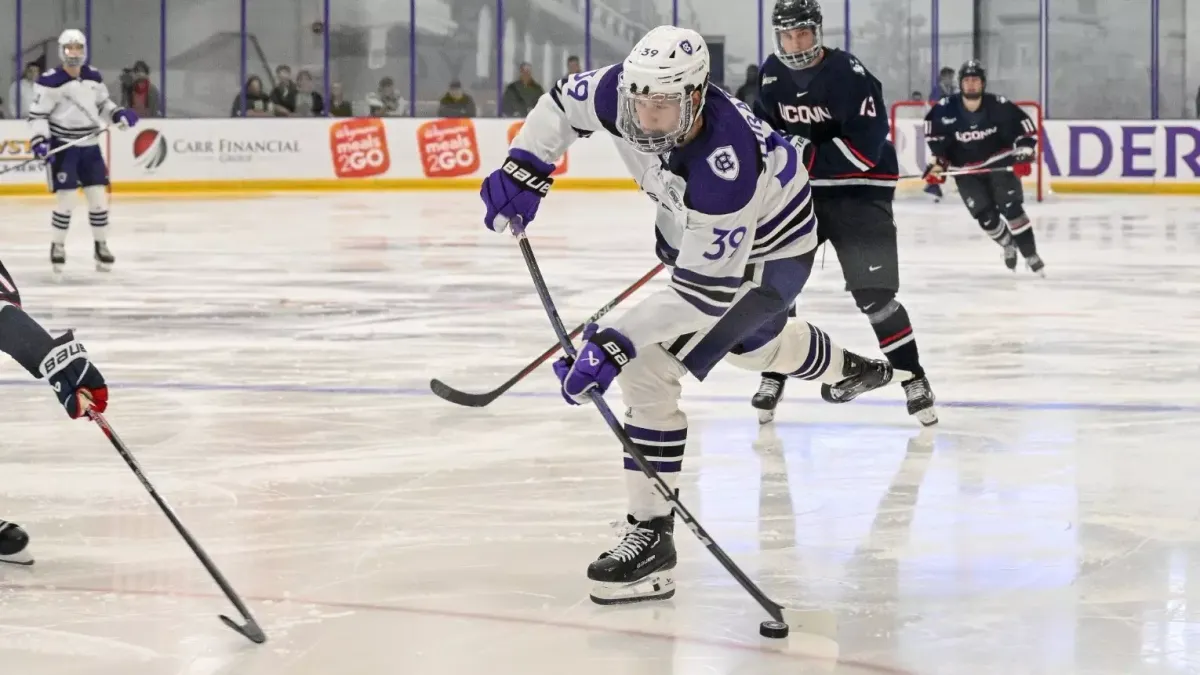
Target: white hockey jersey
(736, 194)
(65, 108)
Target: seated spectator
(308, 102)
(258, 104)
(916, 96)
(748, 92)
(573, 65)
(456, 102)
(385, 102)
(25, 85)
(138, 92)
(284, 93)
(338, 105)
(522, 94)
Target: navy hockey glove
(515, 190)
(1023, 154)
(77, 383)
(805, 148)
(600, 361)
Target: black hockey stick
(251, 630)
(458, 397)
(792, 617)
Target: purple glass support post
(935, 27)
(17, 59)
(674, 12)
(162, 58)
(499, 58)
(761, 29)
(846, 28)
(325, 58)
(87, 21)
(587, 34)
(412, 58)
(1155, 8)
(242, 60)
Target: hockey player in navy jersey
(70, 103)
(63, 363)
(977, 130)
(827, 104)
(734, 221)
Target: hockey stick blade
(250, 631)
(777, 611)
(463, 398)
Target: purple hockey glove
(600, 361)
(124, 118)
(39, 146)
(515, 189)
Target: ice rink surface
(269, 359)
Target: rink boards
(239, 155)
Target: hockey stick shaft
(463, 398)
(64, 146)
(251, 630)
(961, 172)
(773, 608)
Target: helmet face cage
(655, 141)
(802, 59)
(972, 69)
(76, 44)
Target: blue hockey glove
(39, 146)
(515, 189)
(601, 359)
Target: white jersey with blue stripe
(734, 195)
(65, 108)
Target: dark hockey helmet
(972, 68)
(794, 49)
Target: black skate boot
(770, 393)
(639, 568)
(104, 257)
(860, 376)
(1010, 255)
(58, 257)
(14, 544)
(1036, 265)
(920, 400)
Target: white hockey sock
(99, 220)
(801, 350)
(60, 222)
(664, 451)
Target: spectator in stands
(284, 93)
(522, 94)
(748, 92)
(308, 102)
(258, 104)
(916, 96)
(456, 102)
(573, 65)
(947, 84)
(138, 92)
(385, 102)
(338, 105)
(25, 85)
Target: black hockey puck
(773, 629)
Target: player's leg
(864, 237)
(1009, 196)
(640, 566)
(14, 544)
(93, 176)
(977, 194)
(63, 178)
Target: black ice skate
(860, 376)
(58, 257)
(640, 567)
(920, 400)
(1010, 256)
(770, 393)
(1036, 265)
(104, 257)
(14, 544)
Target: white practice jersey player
(734, 222)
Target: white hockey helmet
(72, 47)
(655, 107)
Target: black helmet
(972, 68)
(792, 14)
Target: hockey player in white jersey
(734, 222)
(70, 103)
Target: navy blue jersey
(838, 106)
(986, 137)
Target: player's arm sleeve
(859, 109)
(104, 104)
(44, 101)
(1019, 126)
(709, 269)
(21, 337)
(764, 111)
(937, 136)
(574, 108)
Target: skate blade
(103, 266)
(927, 417)
(19, 558)
(657, 586)
(57, 268)
(766, 416)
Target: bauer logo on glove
(528, 179)
(600, 361)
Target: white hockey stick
(64, 146)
